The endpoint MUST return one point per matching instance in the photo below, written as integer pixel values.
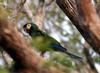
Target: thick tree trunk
(13, 43)
(86, 21)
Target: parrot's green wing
(42, 41)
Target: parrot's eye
(28, 26)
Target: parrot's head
(30, 27)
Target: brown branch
(17, 10)
(48, 3)
(28, 12)
(87, 29)
(89, 17)
(13, 43)
(39, 16)
(89, 58)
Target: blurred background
(51, 19)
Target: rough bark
(13, 43)
(89, 58)
(84, 18)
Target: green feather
(43, 42)
(40, 40)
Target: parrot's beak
(24, 32)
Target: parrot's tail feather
(74, 56)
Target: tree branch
(86, 27)
(89, 58)
(13, 43)
(40, 13)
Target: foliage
(3, 70)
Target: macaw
(43, 42)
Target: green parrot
(43, 42)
